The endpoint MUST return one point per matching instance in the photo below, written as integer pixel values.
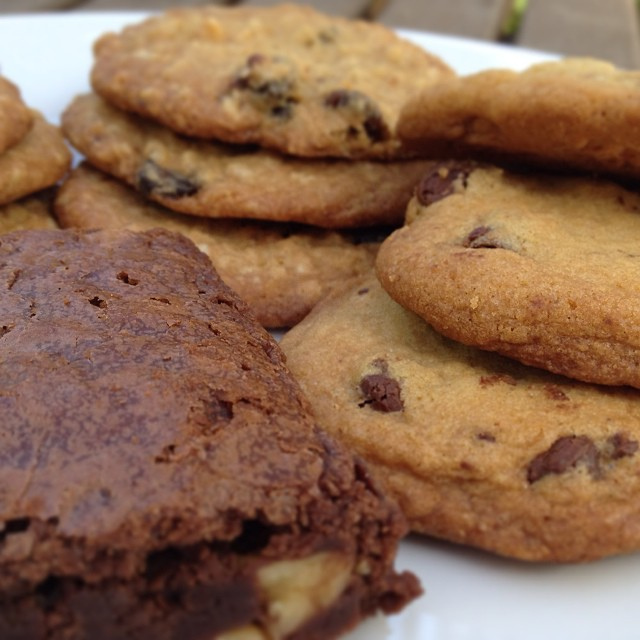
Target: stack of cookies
(33, 157)
(265, 134)
(489, 369)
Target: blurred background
(606, 29)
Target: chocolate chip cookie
(161, 475)
(216, 180)
(286, 77)
(539, 267)
(15, 117)
(38, 161)
(571, 113)
(479, 449)
(31, 212)
(281, 270)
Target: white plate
(469, 595)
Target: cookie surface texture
(215, 180)
(172, 479)
(573, 113)
(537, 267)
(31, 212)
(286, 77)
(478, 448)
(38, 161)
(280, 270)
(15, 116)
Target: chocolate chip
(495, 378)
(442, 181)
(270, 83)
(486, 436)
(381, 393)
(483, 237)
(361, 113)
(621, 446)
(564, 454)
(154, 180)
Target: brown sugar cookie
(216, 180)
(538, 267)
(281, 270)
(31, 212)
(477, 448)
(573, 113)
(170, 480)
(286, 77)
(38, 161)
(15, 117)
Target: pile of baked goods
(33, 157)
(275, 153)
(493, 383)
(460, 284)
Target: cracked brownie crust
(170, 482)
(537, 267)
(478, 449)
(286, 77)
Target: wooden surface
(606, 29)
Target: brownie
(161, 475)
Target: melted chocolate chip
(496, 378)
(565, 454)
(621, 446)
(442, 181)
(154, 180)
(381, 393)
(483, 237)
(360, 112)
(555, 393)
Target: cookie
(15, 117)
(281, 270)
(169, 481)
(540, 268)
(478, 449)
(215, 180)
(38, 161)
(286, 77)
(31, 212)
(575, 113)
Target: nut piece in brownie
(160, 472)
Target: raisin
(442, 181)
(154, 180)
(270, 83)
(361, 113)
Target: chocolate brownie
(281, 270)
(286, 77)
(161, 475)
(214, 180)
(479, 449)
(539, 267)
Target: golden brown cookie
(538, 267)
(575, 112)
(478, 448)
(38, 161)
(286, 77)
(281, 270)
(215, 180)
(15, 117)
(31, 212)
